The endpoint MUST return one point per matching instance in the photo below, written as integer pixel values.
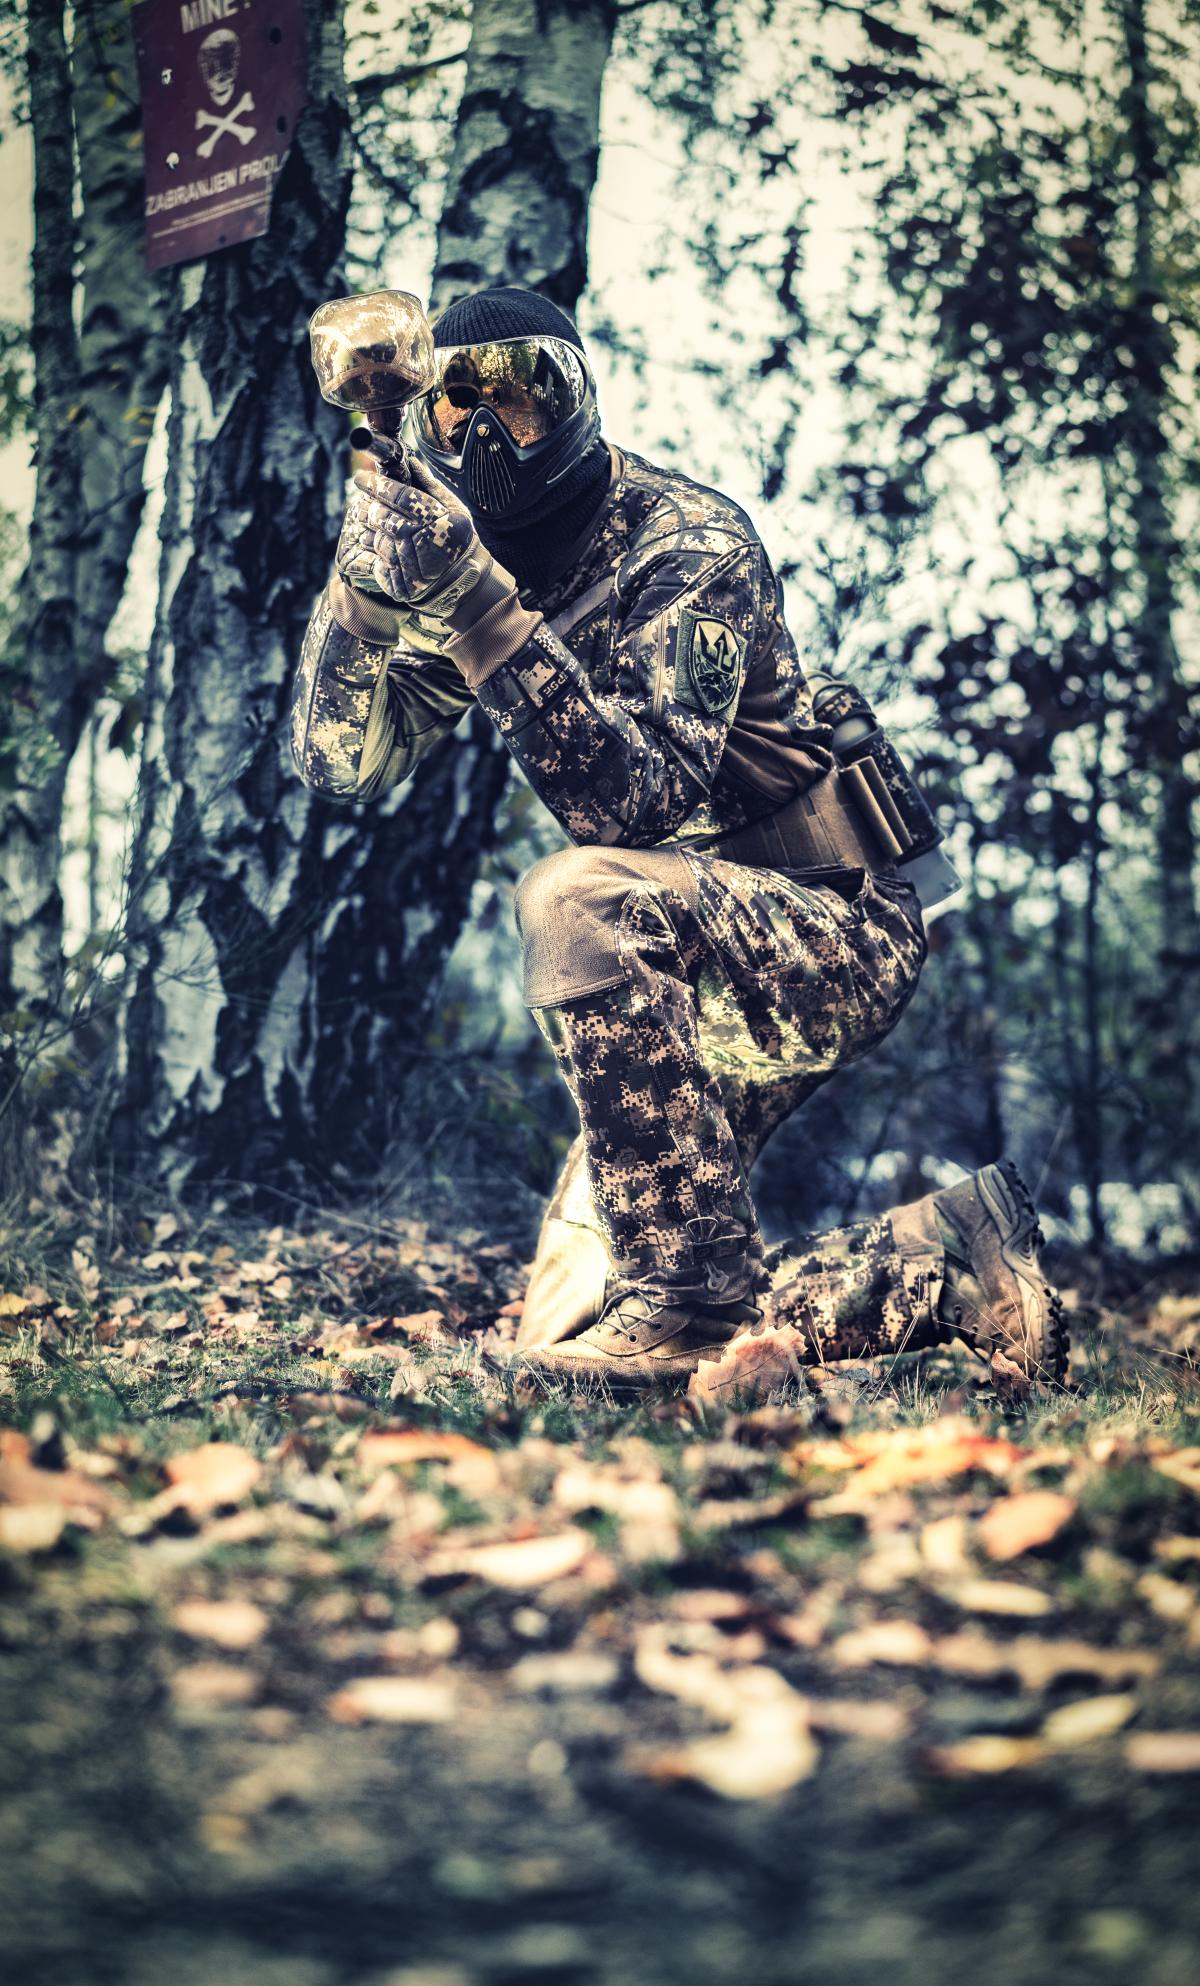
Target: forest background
(916, 284)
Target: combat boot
(646, 1337)
(995, 1294)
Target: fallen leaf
(881, 1723)
(1037, 1663)
(988, 1753)
(749, 1369)
(891, 1460)
(207, 1478)
(201, 1685)
(1164, 1751)
(12, 1305)
(1091, 1718)
(768, 1746)
(423, 1324)
(393, 1700)
(902, 1643)
(518, 1565)
(1182, 1465)
(1166, 1597)
(470, 1467)
(572, 1672)
(230, 1623)
(1177, 1548)
(1000, 1596)
(1016, 1524)
(83, 1500)
(648, 1510)
(767, 1749)
(744, 1513)
(944, 1544)
(31, 1527)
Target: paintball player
(721, 935)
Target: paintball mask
(504, 421)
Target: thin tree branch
(373, 87)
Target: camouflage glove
(414, 547)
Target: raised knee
(547, 891)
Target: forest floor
(330, 1655)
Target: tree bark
(122, 354)
(525, 149)
(1157, 547)
(283, 950)
(40, 660)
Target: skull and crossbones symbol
(219, 54)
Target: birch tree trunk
(40, 658)
(122, 355)
(1149, 332)
(525, 151)
(282, 949)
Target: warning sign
(222, 84)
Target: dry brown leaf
(768, 1746)
(1037, 1663)
(987, 1753)
(207, 1478)
(393, 1700)
(470, 1467)
(1173, 1548)
(12, 1305)
(201, 1685)
(846, 1717)
(1164, 1751)
(944, 1544)
(1016, 1524)
(569, 1672)
(1091, 1718)
(1166, 1597)
(519, 1565)
(648, 1509)
(1000, 1596)
(902, 1643)
(892, 1460)
(767, 1749)
(1182, 1465)
(424, 1324)
(31, 1527)
(750, 1368)
(83, 1500)
(230, 1623)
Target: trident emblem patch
(711, 654)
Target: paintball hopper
(373, 354)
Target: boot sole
(1011, 1208)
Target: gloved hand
(415, 544)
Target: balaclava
(531, 545)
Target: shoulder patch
(708, 663)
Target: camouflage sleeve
(630, 763)
(361, 718)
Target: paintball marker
(372, 355)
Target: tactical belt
(821, 829)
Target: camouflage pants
(736, 993)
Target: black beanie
(503, 313)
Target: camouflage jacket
(656, 694)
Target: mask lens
(532, 385)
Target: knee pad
(567, 909)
